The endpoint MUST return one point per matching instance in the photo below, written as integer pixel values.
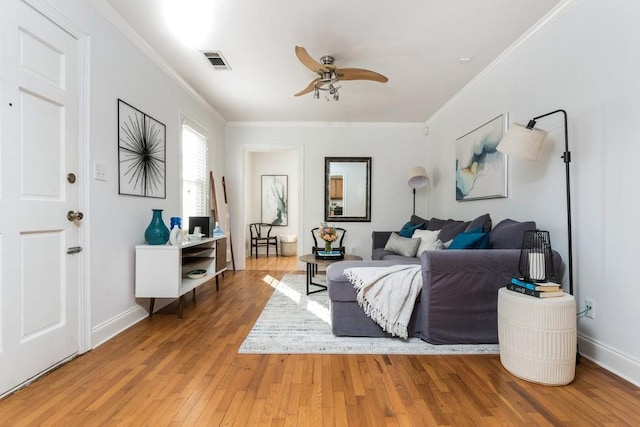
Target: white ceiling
(415, 43)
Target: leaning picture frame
(481, 170)
(274, 200)
(141, 153)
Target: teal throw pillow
(408, 229)
(470, 240)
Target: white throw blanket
(387, 294)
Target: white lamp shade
(417, 177)
(522, 142)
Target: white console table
(161, 270)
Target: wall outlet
(353, 250)
(589, 305)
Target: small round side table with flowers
(312, 267)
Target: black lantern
(536, 259)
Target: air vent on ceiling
(217, 60)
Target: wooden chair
(261, 236)
(320, 247)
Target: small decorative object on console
(175, 235)
(196, 274)
(195, 237)
(217, 231)
(157, 232)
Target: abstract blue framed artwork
(481, 170)
(274, 199)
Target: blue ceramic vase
(157, 232)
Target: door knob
(74, 216)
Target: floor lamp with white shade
(417, 179)
(525, 142)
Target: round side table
(312, 268)
(537, 337)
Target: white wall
(116, 223)
(583, 61)
(394, 149)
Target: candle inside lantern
(536, 266)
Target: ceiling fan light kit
(330, 75)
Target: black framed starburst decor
(141, 153)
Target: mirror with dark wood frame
(347, 189)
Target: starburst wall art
(141, 153)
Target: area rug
(295, 323)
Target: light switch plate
(99, 171)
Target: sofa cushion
(474, 239)
(380, 253)
(437, 223)
(428, 239)
(404, 246)
(483, 221)
(399, 259)
(452, 229)
(507, 234)
(408, 229)
(415, 220)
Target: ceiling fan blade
(309, 88)
(360, 74)
(308, 61)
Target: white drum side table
(537, 337)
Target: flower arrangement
(328, 234)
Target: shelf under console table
(161, 270)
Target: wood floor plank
(170, 371)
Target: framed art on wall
(274, 199)
(141, 153)
(481, 170)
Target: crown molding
(387, 125)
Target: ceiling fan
(330, 75)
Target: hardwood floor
(170, 371)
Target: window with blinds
(194, 174)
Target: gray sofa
(458, 302)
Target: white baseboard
(112, 327)
(610, 359)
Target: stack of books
(539, 290)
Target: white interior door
(39, 113)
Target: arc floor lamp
(417, 179)
(525, 142)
